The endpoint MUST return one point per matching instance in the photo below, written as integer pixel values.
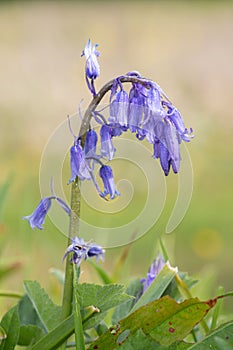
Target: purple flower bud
(82, 250)
(92, 64)
(108, 181)
(37, 218)
(153, 271)
(107, 148)
(78, 164)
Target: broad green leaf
(219, 339)
(48, 313)
(10, 324)
(29, 335)
(101, 297)
(164, 320)
(57, 336)
(123, 309)
(157, 287)
(138, 342)
(27, 313)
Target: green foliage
(163, 320)
(103, 298)
(46, 311)
(10, 324)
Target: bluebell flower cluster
(82, 250)
(143, 109)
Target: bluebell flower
(92, 64)
(136, 107)
(79, 166)
(153, 272)
(82, 250)
(175, 117)
(107, 149)
(119, 108)
(37, 218)
(90, 144)
(108, 181)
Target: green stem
(73, 231)
(10, 294)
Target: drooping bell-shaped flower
(119, 108)
(106, 175)
(82, 250)
(90, 144)
(136, 108)
(78, 164)
(37, 218)
(107, 149)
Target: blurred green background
(187, 48)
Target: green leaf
(57, 336)
(2, 334)
(164, 320)
(48, 313)
(27, 313)
(157, 287)
(221, 338)
(10, 324)
(29, 335)
(173, 291)
(138, 342)
(123, 309)
(101, 297)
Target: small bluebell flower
(90, 144)
(153, 272)
(37, 218)
(78, 164)
(108, 181)
(107, 149)
(82, 250)
(92, 65)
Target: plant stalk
(67, 301)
